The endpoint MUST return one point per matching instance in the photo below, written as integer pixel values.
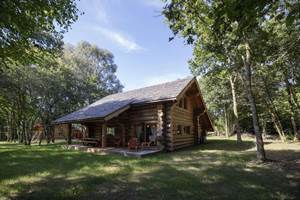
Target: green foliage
(32, 30)
(221, 32)
(43, 92)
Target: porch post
(104, 133)
(123, 139)
(69, 136)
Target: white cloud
(95, 9)
(119, 39)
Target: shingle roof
(115, 102)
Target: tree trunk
(217, 131)
(293, 107)
(235, 112)
(69, 139)
(48, 136)
(273, 112)
(226, 122)
(277, 124)
(24, 132)
(41, 136)
(264, 129)
(261, 155)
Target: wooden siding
(168, 128)
(182, 117)
(143, 114)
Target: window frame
(179, 129)
(113, 129)
(187, 130)
(183, 103)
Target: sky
(137, 35)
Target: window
(179, 129)
(151, 132)
(111, 131)
(183, 103)
(187, 130)
(139, 132)
(180, 103)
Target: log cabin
(173, 115)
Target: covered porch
(118, 133)
(115, 150)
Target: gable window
(183, 103)
(179, 129)
(187, 130)
(111, 131)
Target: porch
(125, 130)
(115, 150)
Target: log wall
(168, 127)
(143, 114)
(184, 118)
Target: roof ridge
(168, 82)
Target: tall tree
(233, 80)
(29, 30)
(219, 28)
(41, 93)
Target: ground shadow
(215, 170)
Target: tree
(232, 29)
(217, 92)
(31, 30)
(41, 93)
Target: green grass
(220, 169)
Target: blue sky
(135, 32)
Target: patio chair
(133, 144)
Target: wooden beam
(116, 113)
(160, 120)
(69, 133)
(103, 134)
(123, 139)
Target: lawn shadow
(227, 145)
(215, 170)
(52, 159)
(221, 145)
(169, 181)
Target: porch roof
(117, 103)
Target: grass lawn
(220, 169)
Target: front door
(146, 132)
(151, 133)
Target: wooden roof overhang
(115, 113)
(98, 119)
